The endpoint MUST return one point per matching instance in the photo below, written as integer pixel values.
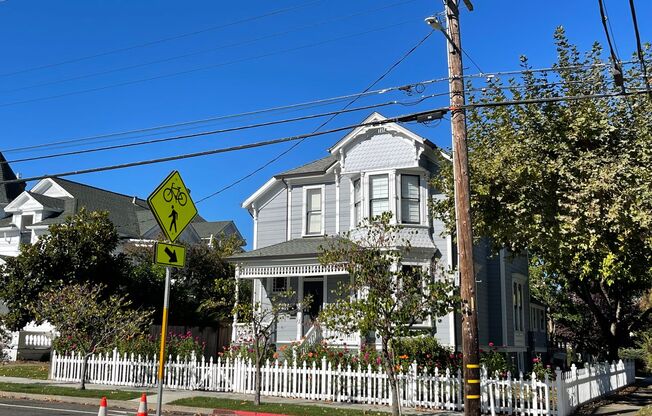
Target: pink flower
(378, 360)
(452, 356)
(535, 360)
(491, 344)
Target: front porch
(318, 281)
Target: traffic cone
(102, 411)
(142, 407)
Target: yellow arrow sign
(172, 206)
(170, 255)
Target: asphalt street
(22, 407)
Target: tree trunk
(257, 383)
(82, 384)
(391, 377)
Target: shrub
(427, 352)
(495, 361)
(638, 355)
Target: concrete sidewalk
(627, 401)
(172, 395)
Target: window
(357, 202)
(313, 211)
(517, 294)
(279, 284)
(542, 321)
(378, 194)
(25, 234)
(410, 201)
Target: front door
(316, 290)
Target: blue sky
(315, 50)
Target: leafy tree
(568, 181)
(80, 249)
(383, 296)
(263, 320)
(89, 321)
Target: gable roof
(207, 228)
(54, 204)
(8, 191)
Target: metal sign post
(174, 210)
(164, 330)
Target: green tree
(80, 249)
(569, 182)
(89, 321)
(383, 296)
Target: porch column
(235, 305)
(325, 290)
(300, 309)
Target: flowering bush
(542, 370)
(427, 352)
(495, 361)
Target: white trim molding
(255, 272)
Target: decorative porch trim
(251, 272)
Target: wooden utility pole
(471, 358)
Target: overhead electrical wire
(617, 66)
(302, 105)
(203, 51)
(203, 68)
(322, 125)
(163, 40)
(399, 119)
(220, 131)
(639, 49)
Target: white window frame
(389, 192)
(279, 290)
(419, 198)
(304, 213)
(357, 220)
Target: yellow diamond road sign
(172, 206)
(170, 255)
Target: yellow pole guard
(161, 356)
(473, 366)
(473, 381)
(473, 396)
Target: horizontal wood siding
(272, 220)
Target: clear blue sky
(343, 46)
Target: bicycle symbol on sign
(176, 193)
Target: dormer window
(410, 199)
(314, 217)
(378, 194)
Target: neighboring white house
(26, 215)
(370, 170)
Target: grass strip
(646, 411)
(41, 388)
(282, 408)
(25, 370)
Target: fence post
(53, 364)
(535, 395)
(562, 409)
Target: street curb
(121, 404)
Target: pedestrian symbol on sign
(172, 206)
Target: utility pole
(470, 348)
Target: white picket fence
(437, 390)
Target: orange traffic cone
(102, 411)
(142, 407)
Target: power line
(220, 131)
(302, 105)
(639, 49)
(399, 119)
(617, 67)
(162, 40)
(344, 109)
(203, 68)
(203, 51)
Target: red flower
(452, 356)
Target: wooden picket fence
(432, 390)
